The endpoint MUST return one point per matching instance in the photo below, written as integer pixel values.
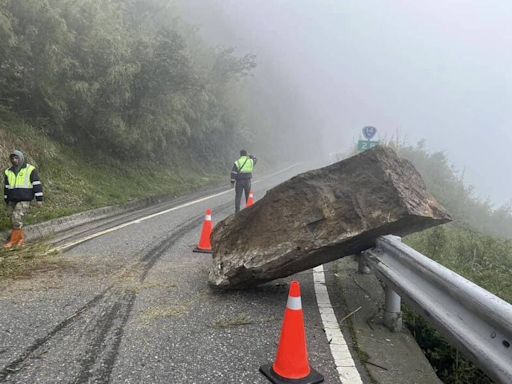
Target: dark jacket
(23, 194)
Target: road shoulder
(388, 357)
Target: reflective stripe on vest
(22, 179)
(247, 167)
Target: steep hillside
(75, 181)
(117, 101)
(477, 245)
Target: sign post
(369, 133)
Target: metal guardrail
(471, 318)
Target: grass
(239, 320)
(73, 181)
(450, 366)
(483, 259)
(28, 260)
(163, 312)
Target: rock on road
(133, 306)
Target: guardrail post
(392, 313)
(363, 267)
(471, 318)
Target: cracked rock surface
(322, 215)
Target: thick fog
(439, 70)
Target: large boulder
(322, 215)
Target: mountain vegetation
(125, 78)
(477, 245)
(450, 188)
(103, 96)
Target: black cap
(243, 152)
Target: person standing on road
(21, 185)
(241, 175)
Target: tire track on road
(116, 304)
(14, 366)
(106, 337)
(101, 354)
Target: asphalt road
(133, 306)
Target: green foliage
(477, 246)
(31, 258)
(449, 187)
(119, 77)
(483, 259)
(74, 182)
(450, 366)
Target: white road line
(345, 365)
(139, 220)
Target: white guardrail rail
(472, 319)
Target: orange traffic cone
(292, 364)
(250, 200)
(204, 243)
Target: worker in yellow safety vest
(241, 175)
(21, 186)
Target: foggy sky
(439, 70)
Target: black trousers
(242, 185)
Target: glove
(232, 184)
(39, 204)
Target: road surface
(131, 304)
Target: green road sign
(363, 145)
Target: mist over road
(436, 70)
